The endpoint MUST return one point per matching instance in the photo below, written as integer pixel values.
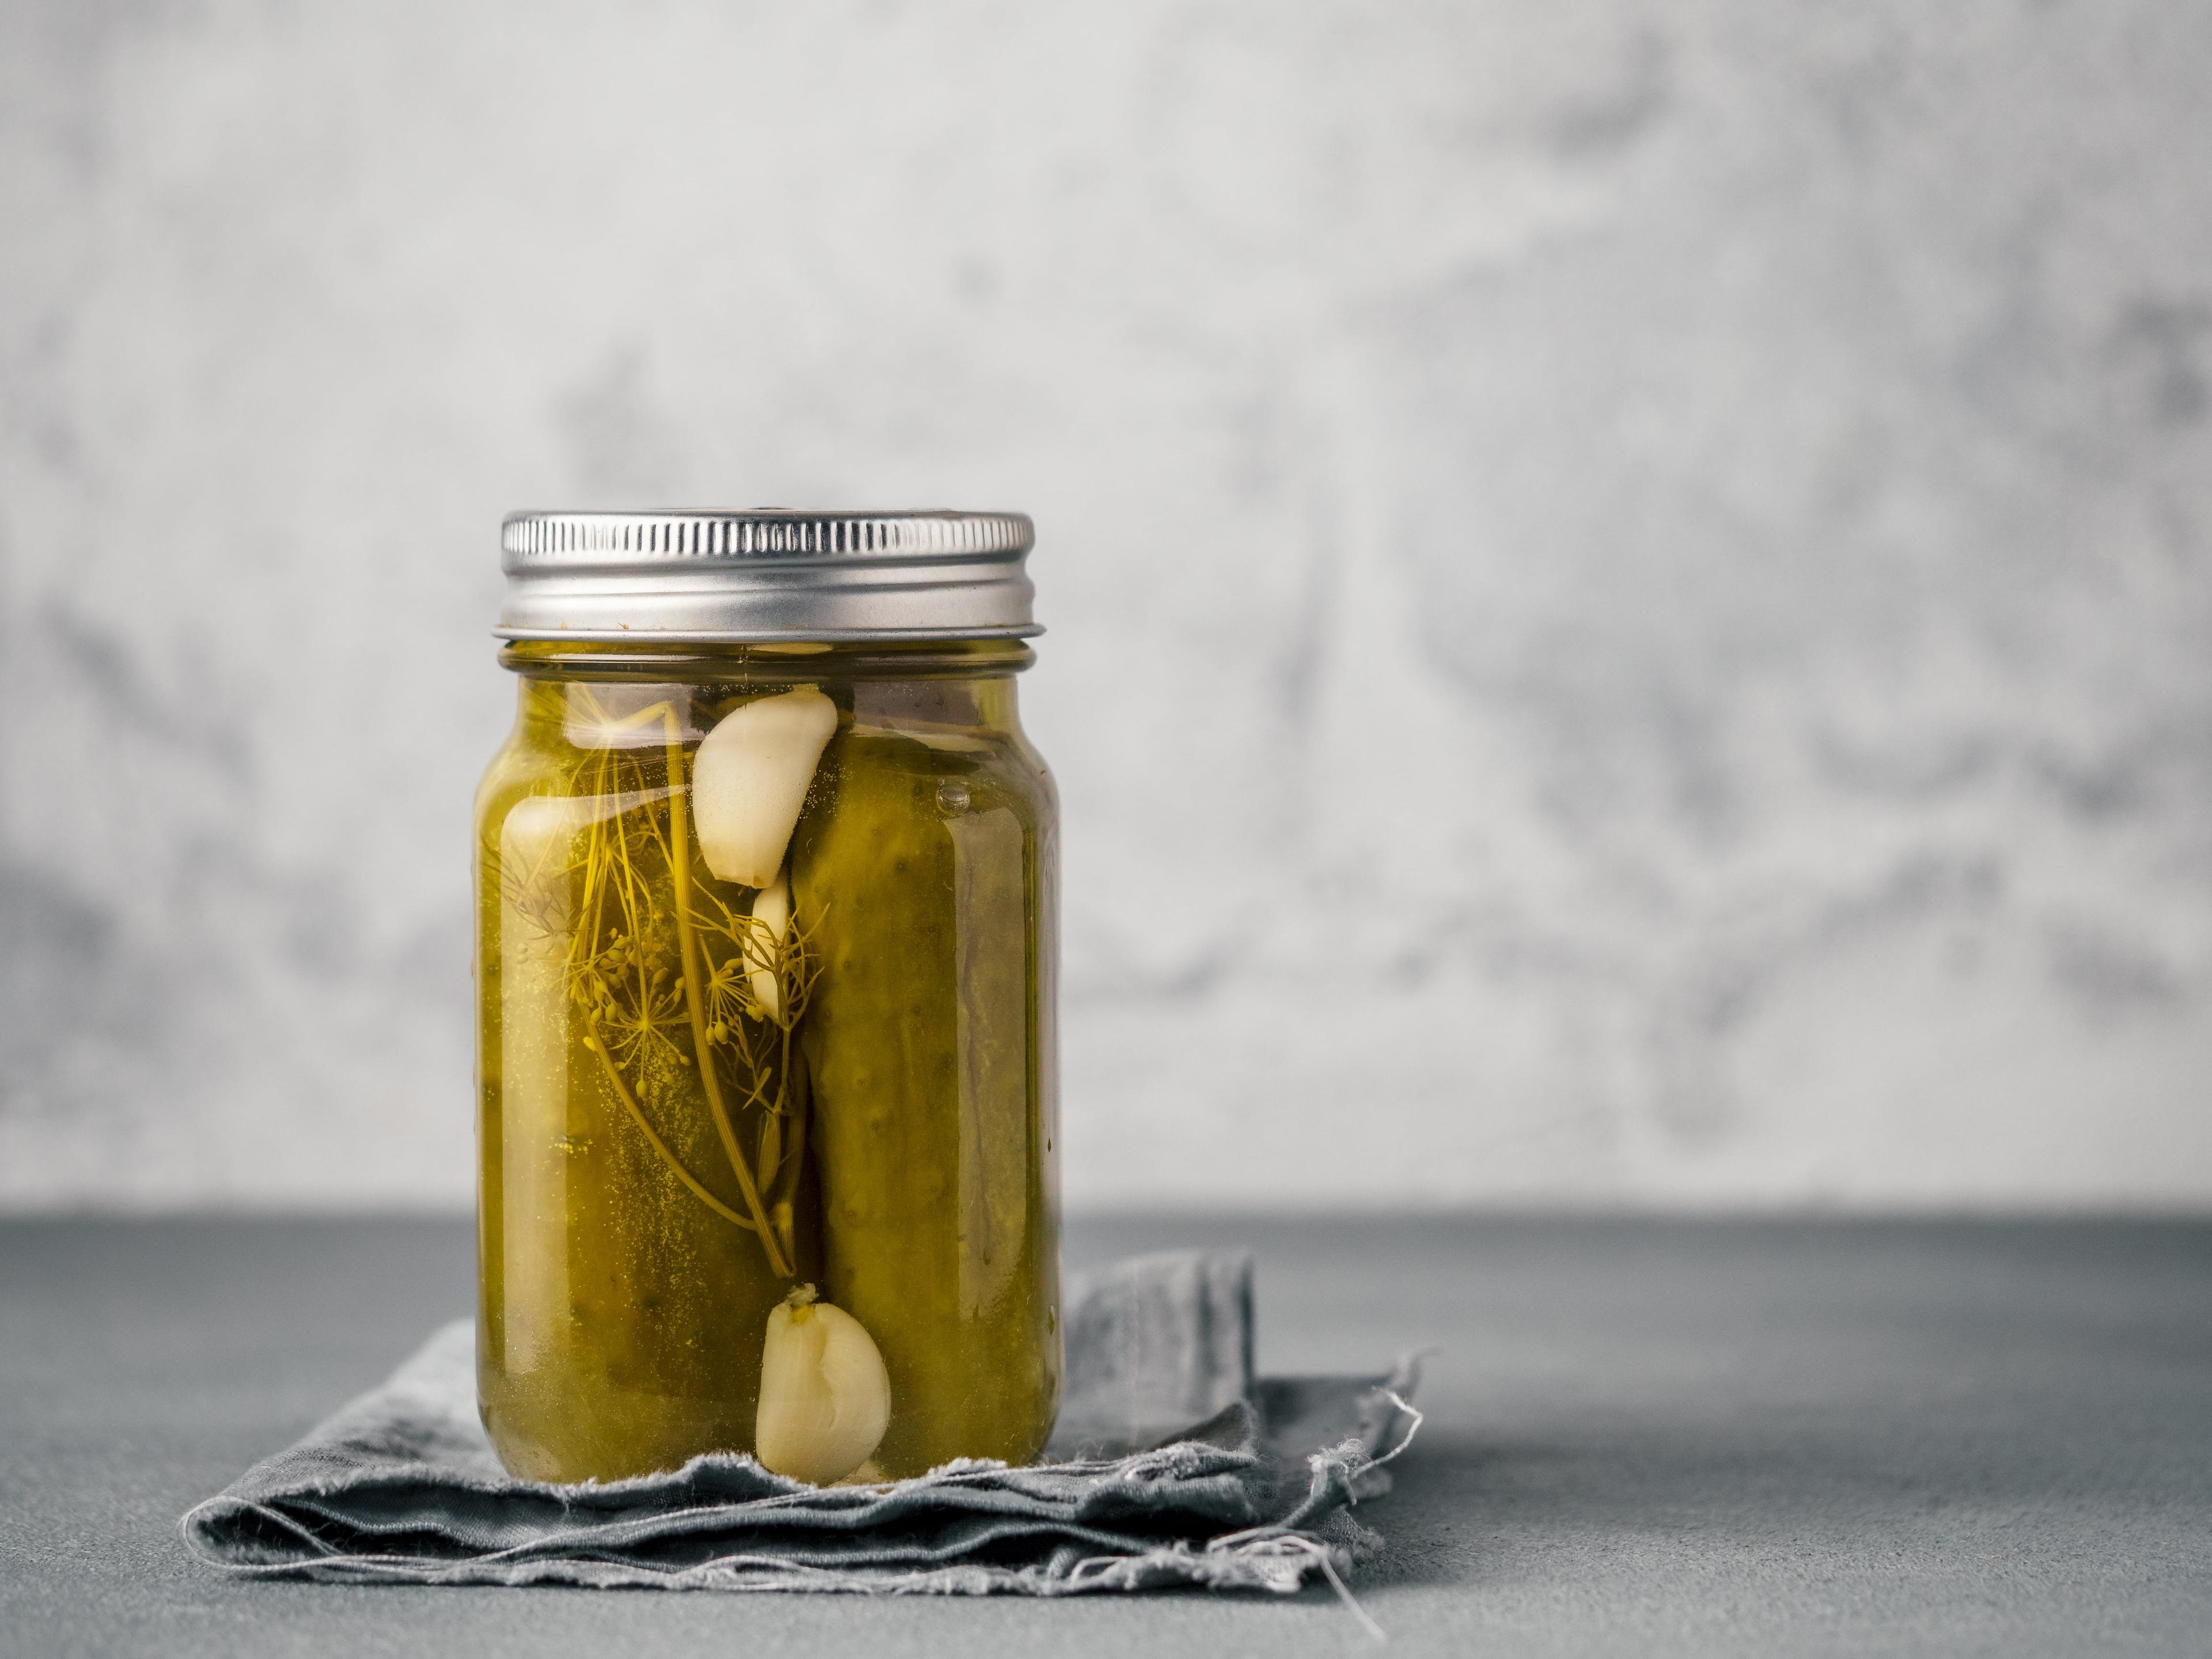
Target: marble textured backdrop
(1632, 618)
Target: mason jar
(767, 898)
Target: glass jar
(766, 893)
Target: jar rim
(637, 656)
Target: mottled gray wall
(1629, 584)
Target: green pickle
(922, 1046)
(750, 1114)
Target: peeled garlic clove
(749, 780)
(771, 907)
(825, 1397)
(539, 835)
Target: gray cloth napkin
(1172, 1465)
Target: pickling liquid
(687, 1115)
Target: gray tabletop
(1643, 1438)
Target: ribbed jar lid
(764, 575)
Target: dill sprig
(758, 1040)
(662, 973)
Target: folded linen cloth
(1172, 1465)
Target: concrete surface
(1628, 584)
(1644, 1438)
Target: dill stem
(783, 1079)
(788, 1099)
(687, 947)
(629, 1101)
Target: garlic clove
(825, 1398)
(749, 781)
(772, 908)
(540, 828)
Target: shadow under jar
(767, 900)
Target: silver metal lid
(766, 574)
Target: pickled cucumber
(621, 1317)
(919, 870)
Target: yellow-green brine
(766, 910)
